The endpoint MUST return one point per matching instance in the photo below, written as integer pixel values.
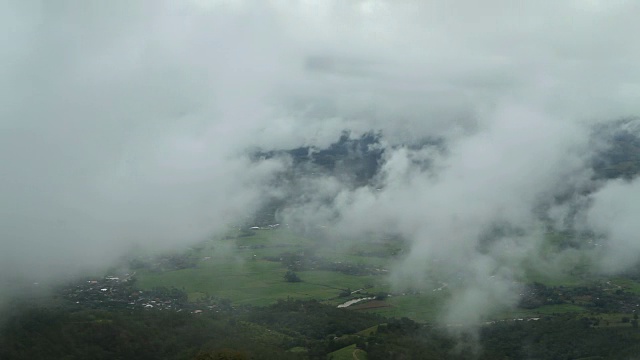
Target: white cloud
(129, 121)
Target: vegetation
(297, 329)
(248, 269)
(290, 276)
(270, 294)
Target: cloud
(116, 132)
(612, 215)
(131, 122)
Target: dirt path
(355, 355)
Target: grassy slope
(348, 353)
(416, 307)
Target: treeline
(165, 262)
(600, 298)
(302, 262)
(94, 334)
(559, 337)
(68, 332)
(295, 329)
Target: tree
(291, 276)
(381, 295)
(224, 354)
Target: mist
(133, 124)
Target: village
(119, 292)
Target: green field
(236, 269)
(416, 307)
(626, 284)
(348, 353)
(246, 268)
(254, 283)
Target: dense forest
(298, 330)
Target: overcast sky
(129, 122)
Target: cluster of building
(119, 292)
